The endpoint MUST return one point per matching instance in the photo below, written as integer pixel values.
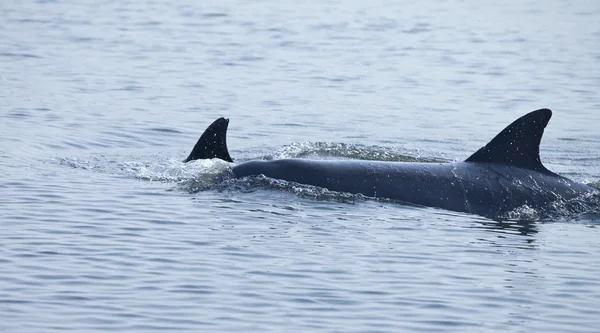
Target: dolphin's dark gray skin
(503, 175)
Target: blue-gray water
(103, 229)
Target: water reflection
(515, 234)
(523, 228)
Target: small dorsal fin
(518, 144)
(212, 143)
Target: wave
(216, 175)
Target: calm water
(103, 229)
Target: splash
(153, 168)
(326, 150)
(585, 209)
(177, 171)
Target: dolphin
(504, 175)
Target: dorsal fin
(212, 143)
(518, 144)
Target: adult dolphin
(503, 175)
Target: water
(103, 229)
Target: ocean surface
(102, 228)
